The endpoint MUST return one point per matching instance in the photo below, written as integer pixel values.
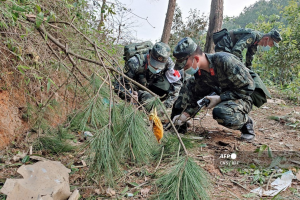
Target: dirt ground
(279, 134)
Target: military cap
(182, 52)
(275, 35)
(159, 55)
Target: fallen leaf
(110, 192)
(19, 156)
(298, 175)
(145, 192)
(97, 191)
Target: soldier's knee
(220, 113)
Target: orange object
(158, 129)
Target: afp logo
(227, 156)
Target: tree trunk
(215, 24)
(168, 22)
(101, 23)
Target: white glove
(180, 119)
(214, 100)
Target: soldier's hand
(214, 100)
(180, 119)
(135, 97)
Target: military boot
(248, 130)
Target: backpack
(261, 93)
(133, 49)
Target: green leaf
(39, 19)
(125, 190)
(48, 85)
(18, 8)
(22, 67)
(38, 8)
(203, 145)
(252, 166)
(249, 195)
(49, 106)
(25, 159)
(134, 184)
(270, 152)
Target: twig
(162, 152)
(141, 18)
(110, 86)
(239, 185)
(141, 185)
(271, 176)
(232, 194)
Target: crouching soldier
(154, 70)
(222, 73)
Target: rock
(75, 195)
(46, 179)
(87, 134)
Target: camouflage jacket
(231, 81)
(167, 82)
(245, 38)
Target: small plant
(184, 180)
(52, 143)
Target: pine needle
(184, 180)
(52, 143)
(135, 139)
(103, 157)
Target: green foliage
(135, 139)
(103, 156)
(194, 27)
(281, 66)
(171, 144)
(251, 13)
(52, 143)
(184, 180)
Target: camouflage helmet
(275, 35)
(182, 52)
(159, 55)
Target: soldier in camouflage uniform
(154, 70)
(235, 41)
(222, 73)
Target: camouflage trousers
(232, 114)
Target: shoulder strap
(233, 38)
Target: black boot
(248, 130)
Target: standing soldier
(154, 70)
(235, 41)
(222, 73)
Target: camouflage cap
(159, 55)
(275, 35)
(182, 52)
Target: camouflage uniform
(232, 81)
(165, 83)
(235, 41)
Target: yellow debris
(158, 129)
